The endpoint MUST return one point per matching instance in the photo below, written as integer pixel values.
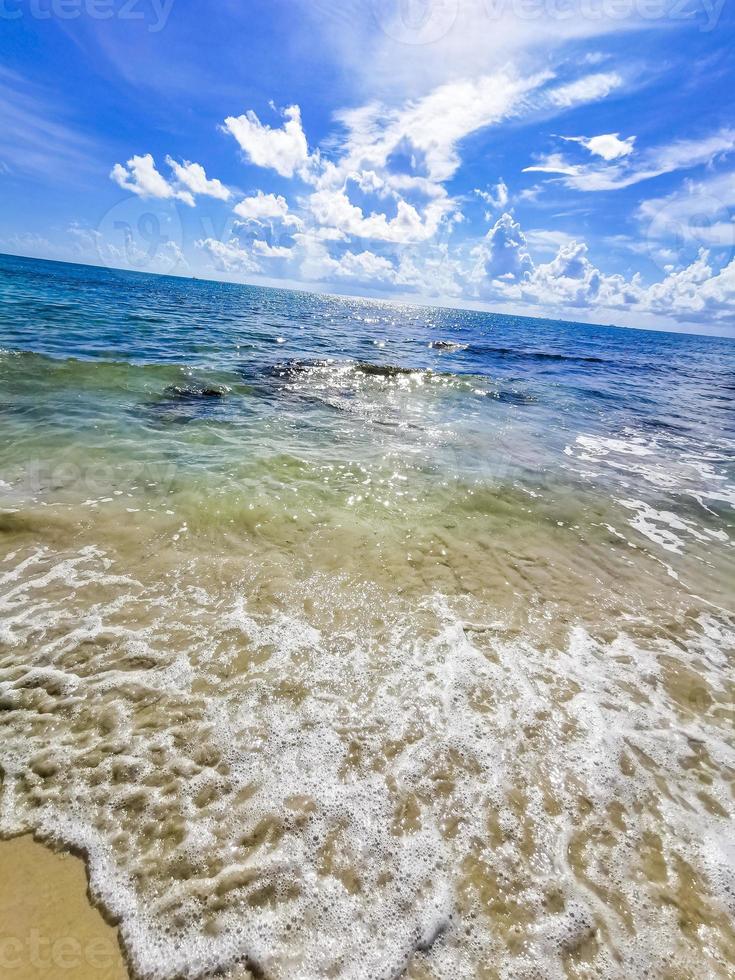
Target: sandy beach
(48, 928)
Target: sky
(565, 158)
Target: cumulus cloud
(333, 208)
(503, 253)
(228, 256)
(318, 264)
(363, 265)
(194, 177)
(696, 292)
(139, 175)
(263, 248)
(413, 149)
(375, 204)
(284, 150)
(571, 281)
(262, 207)
(570, 278)
(400, 155)
(407, 153)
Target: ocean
(353, 639)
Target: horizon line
(421, 304)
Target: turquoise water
(352, 639)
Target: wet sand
(48, 928)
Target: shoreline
(49, 928)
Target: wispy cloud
(34, 139)
(678, 155)
(699, 212)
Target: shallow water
(353, 640)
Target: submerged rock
(447, 345)
(180, 404)
(362, 367)
(383, 370)
(195, 391)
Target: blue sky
(569, 158)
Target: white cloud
(228, 256)
(679, 155)
(554, 163)
(547, 240)
(318, 264)
(139, 175)
(333, 208)
(193, 177)
(403, 155)
(430, 128)
(363, 265)
(467, 37)
(503, 253)
(261, 247)
(413, 149)
(609, 146)
(700, 212)
(284, 150)
(497, 197)
(571, 281)
(590, 88)
(262, 207)
(384, 177)
(696, 292)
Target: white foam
(339, 800)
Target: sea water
(358, 640)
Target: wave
(535, 355)
(338, 782)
